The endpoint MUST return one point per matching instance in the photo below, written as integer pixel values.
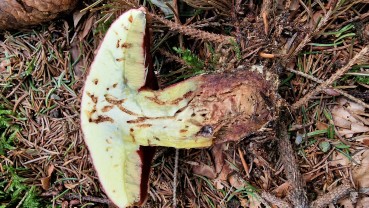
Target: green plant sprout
(191, 59)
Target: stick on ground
(332, 196)
(275, 200)
(297, 194)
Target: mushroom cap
(16, 14)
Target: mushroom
(120, 115)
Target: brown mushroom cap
(15, 14)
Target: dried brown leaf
(331, 92)
(70, 185)
(236, 181)
(254, 201)
(363, 202)
(77, 16)
(321, 126)
(221, 167)
(361, 173)
(346, 116)
(346, 203)
(76, 57)
(339, 159)
(45, 182)
(366, 142)
(87, 27)
(204, 170)
(281, 190)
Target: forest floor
(318, 49)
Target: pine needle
(358, 57)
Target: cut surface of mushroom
(118, 115)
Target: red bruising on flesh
(151, 80)
(146, 152)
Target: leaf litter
(43, 68)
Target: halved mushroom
(119, 115)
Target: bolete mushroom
(119, 114)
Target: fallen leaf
(341, 122)
(65, 204)
(3, 64)
(163, 5)
(352, 106)
(281, 190)
(357, 128)
(360, 175)
(45, 182)
(218, 184)
(244, 202)
(74, 202)
(221, 167)
(364, 139)
(236, 181)
(363, 202)
(331, 92)
(361, 172)
(76, 55)
(204, 170)
(339, 159)
(254, 201)
(294, 5)
(347, 117)
(70, 185)
(346, 203)
(321, 125)
(77, 16)
(87, 27)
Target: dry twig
(275, 200)
(297, 194)
(175, 178)
(174, 58)
(332, 196)
(195, 33)
(72, 196)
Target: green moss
(32, 199)
(8, 130)
(13, 190)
